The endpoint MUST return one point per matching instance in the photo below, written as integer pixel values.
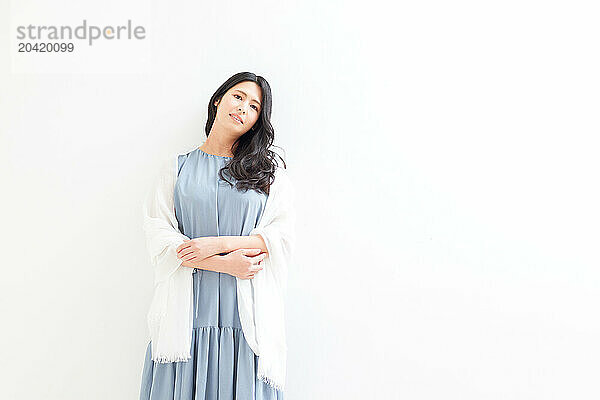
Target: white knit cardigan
(260, 300)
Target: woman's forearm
(232, 243)
(221, 245)
(213, 263)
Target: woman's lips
(235, 119)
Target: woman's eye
(237, 95)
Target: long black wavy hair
(253, 163)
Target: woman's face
(241, 101)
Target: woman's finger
(184, 253)
(182, 247)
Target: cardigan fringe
(269, 382)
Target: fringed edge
(169, 359)
(270, 382)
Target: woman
(219, 226)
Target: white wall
(445, 159)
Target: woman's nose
(243, 107)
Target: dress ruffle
(222, 367)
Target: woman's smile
(236, 118)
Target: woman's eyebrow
(245, 94)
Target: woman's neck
(216, 148)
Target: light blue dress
(222, 366)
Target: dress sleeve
(160, 224)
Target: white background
(445, 157)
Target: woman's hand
(195, 250)
(244, 263)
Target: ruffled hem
(222, 366)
